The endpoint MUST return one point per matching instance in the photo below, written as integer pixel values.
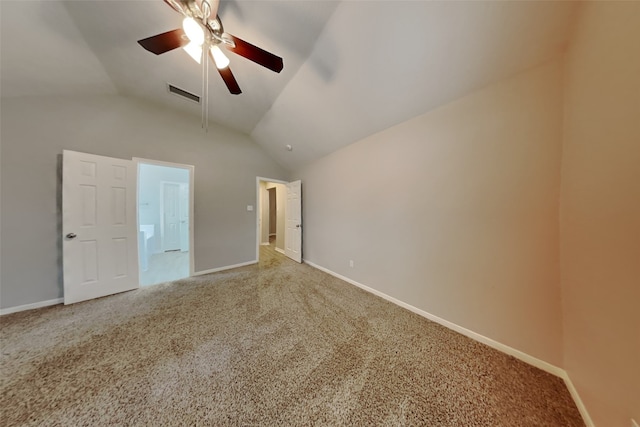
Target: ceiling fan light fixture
(220, 58)
(195, 51)
(193, 30)
(201, 35)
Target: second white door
(171, 216)
(293, 231)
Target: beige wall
(35, 130)
(600, 212)
(454, 212)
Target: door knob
(297, 225)
(71, 236)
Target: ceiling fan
(201, 36)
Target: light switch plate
(249, 208)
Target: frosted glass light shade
(220, 58)
(194, 51)
(193, 30)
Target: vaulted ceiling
(352, 68)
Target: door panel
(293, 231)
(89, 250)
(118, 206)
(99, 226)
(171, 213)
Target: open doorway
(279, 219)
(165, 206)
(272, 214)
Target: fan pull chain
(206, 99)
(206, 11)
(202, 94)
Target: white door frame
(259, 209)
(191, 170)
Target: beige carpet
(273, 344)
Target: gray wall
(35, 130)
(454, 212)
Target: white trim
(281, 251)
(265, 244)
(527, 358)
(227, 267)
(538, 363)
(576, 398)
(41, 304)
(162, 163)
(31, 306)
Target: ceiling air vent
(183, 93)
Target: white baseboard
(265, 244)
(534, 361)
(576, 398)
(538, 363)
(40, 304)
(227, 267)
(527, 358)
(32, 306)
(280, 250)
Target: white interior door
(100, 251)
(171, 216)
(184, 217)
(293, 214)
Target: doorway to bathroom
(165, 212)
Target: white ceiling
(351, 68)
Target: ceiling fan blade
(229, 80)
(164, 42)
(255, 54)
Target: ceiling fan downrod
(206, 10)
(205, 91)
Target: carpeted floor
(277, 343)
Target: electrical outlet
(634, 423)
(351, 263)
